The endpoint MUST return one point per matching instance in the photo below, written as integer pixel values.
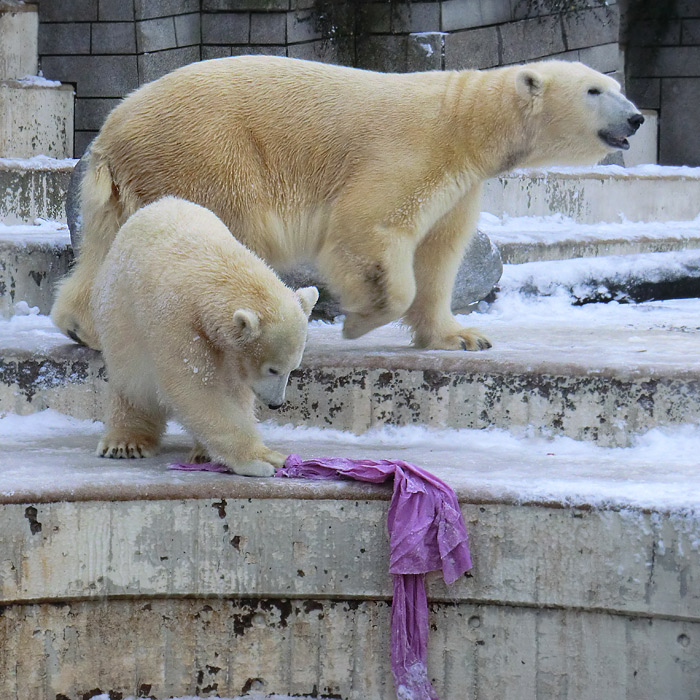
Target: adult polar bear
(374, 177)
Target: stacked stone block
(663, 67)
(107, 48)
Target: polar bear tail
(103, 210)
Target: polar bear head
(573, 114)
(271, 344)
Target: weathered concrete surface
(32, 260)
(35, 120)
(31, 189)
(578, 244)
(600, 194)
(554, 379)
(30, 265)
(19, 26)
(621, 562)
(337, 649)
(226, 579)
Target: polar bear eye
(272, 371)
(594, 91)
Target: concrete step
(36, 118)
(32, 259)
(602, 194)
(624, 278)
(19, 28)
(586, 570)
(32, 188)
(531, 239)
(600, 372)
(607, 193)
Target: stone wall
(663, 69)
(107, 48)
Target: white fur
(375, 177)
(192, 324)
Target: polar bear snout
(271, 390)
(624, 120)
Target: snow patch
(648, 170)
(38, 81)
(37, 163)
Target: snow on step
(602, 193)
(32, 259)
(600, 372)
(621, 277)
(43, 252)
(532, 238)
(594, 545)
(33, 188)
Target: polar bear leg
(435, 264)
(102, 215)
(132, 431)
(221, 417)
(374, 280)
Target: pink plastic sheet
(426, 533)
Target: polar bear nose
(635, 121)
(274, 405)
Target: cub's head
(271, 345)
(575, 115)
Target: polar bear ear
(529, 84)
(308, 296)
(246, 324)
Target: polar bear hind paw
(125, 448)
(464, 339)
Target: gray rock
(478, 274)
(73, 215)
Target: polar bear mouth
(614, 141)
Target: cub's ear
(529, 84)
(308, 296)
(246, 324)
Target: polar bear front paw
(125, 448)
(463, 339)
(276, 459)
(255, 467)
(198, 454)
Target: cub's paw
(254, 467)
(124, 447)
(198, 454)
(463, 339)
(276, 459)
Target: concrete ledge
(32, 260)
(36, 257)
(553, 378)
(336, 649)
(285, 583)
(33, 187)
(604, 193)
(35, 119)
(19, 28)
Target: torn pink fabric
(426, 533)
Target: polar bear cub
(194, 325)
